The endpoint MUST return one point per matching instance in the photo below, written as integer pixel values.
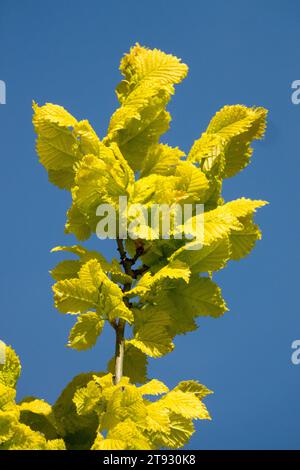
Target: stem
(140, 271)
(119, 326)
(127, 263)
(119, 353)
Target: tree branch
(119, 352)
(140, 271)
(120, 324)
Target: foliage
(29, 424)
(159, 287)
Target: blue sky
(238, 52)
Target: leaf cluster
(159, 287)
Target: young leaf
(62, 142)
(146, 90)
(152, 340)
(161, 160)
(71, 296)
(185, 404)
(154, 387)
(86, 330)
(229, 136)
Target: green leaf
(7, 397)
(91, 275)
(151, 332)
(243, 207)
(91, 290)
(79, 223)
(56, 144)
(208, 258)
(218, 223)
(98, 182)
(24, 438)
(227, 139)
(88, 141)
(146, 90)
(38, 415)
(151, 315)
(8, 421)
(179, 433)
(157, 189)
(134, 438)
(66, 269)
(157, 420)
(151, 67)
(152, 340)
(55, 444)
(108, 444)
(184, 302)
(111, 302)
(84, 255)
(78, 431)
(62, 142)
(201, 297)
(154, 387)
(161, 160)
(185, 404)
(11, 369)
(71, 296)
(174, 270)
(87, 398)
(193, 386)
(193, 182)
(86, 330)
(243, 241)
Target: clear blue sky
(67, 52)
